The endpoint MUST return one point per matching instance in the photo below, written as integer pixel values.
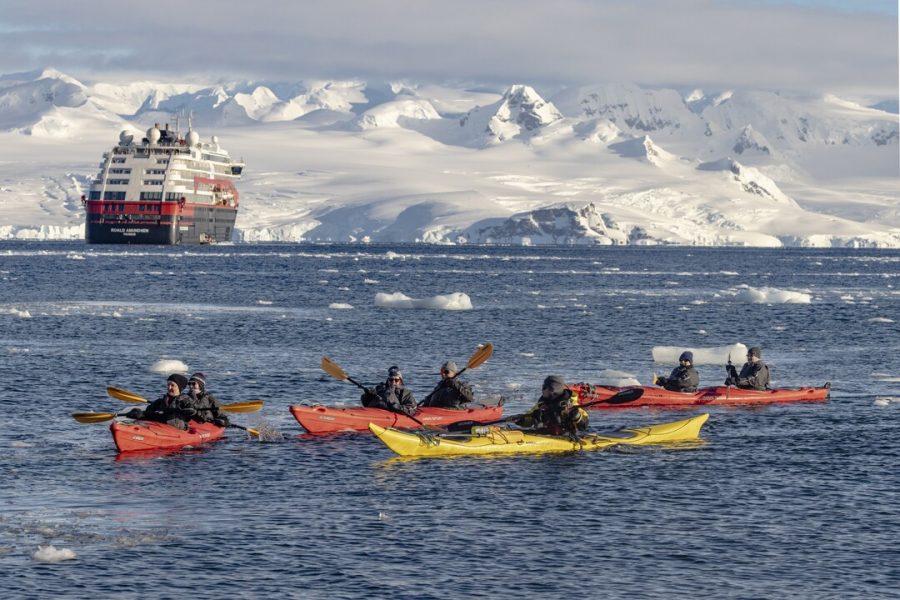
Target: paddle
(333, 369)
(622, 397)
(478, 358)
(732, 373)
(236, 407)
(92, 417)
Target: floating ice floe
(615, 378)
(702, 356)
(885, 401)
(169, 365)
(454, 301)
(20, 444)
(49, 554)
(340, 305)
(767, 295)
(22, 314)
(264, 302)
(880, 320)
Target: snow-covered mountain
(399, 161)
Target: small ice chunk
(49, 554)
(169, 365)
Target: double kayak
(319, 419)
(719, 395)
(510, 441)
(132, 436)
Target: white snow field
(354, 161)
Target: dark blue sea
(797, 501)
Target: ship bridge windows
(214, 157)
(152, 182)
(154, 171)
(121, 171)
(94, 195)
(174, 195)
(151, 195)
(113, 195)
(116, 182)
(162, 161)
(119, 159)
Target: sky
(848, 48)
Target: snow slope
(376, 161)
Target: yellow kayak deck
(511, 441)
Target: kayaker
(391, 395)
(173, 408)
(754, 374)
(207, 408)
(557, 411)
(450, 392)
(684, 377)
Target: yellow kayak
(512, 441)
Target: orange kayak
(720, 395)
(131, 436)
(319, 419)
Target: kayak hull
(134, 436)
(505, 441)
(328, 419)
(657, 397)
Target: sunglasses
(394, 379)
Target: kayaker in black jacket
(391, 395)
(557, 411)
(207, 408)
(450, 392)
(174, 408)
(684, 377)
(754, 374)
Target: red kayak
(719, 395)
(131, 436)
(328, 419)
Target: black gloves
(134, 413)
(221, 421)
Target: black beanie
(199, 378)
(179, 379)
(755, 351)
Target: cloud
(666, 42)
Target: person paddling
(557, 411)
(174, 408)
(684, 377)
(450, 392)
(391, 395)
(754, 374)
(207, 408)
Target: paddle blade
(626, 395)
(333, 369)
(244, 407)
(480, 355)
(92, 417)
(125, 395)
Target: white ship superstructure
(167, 189)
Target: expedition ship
(168, 190)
